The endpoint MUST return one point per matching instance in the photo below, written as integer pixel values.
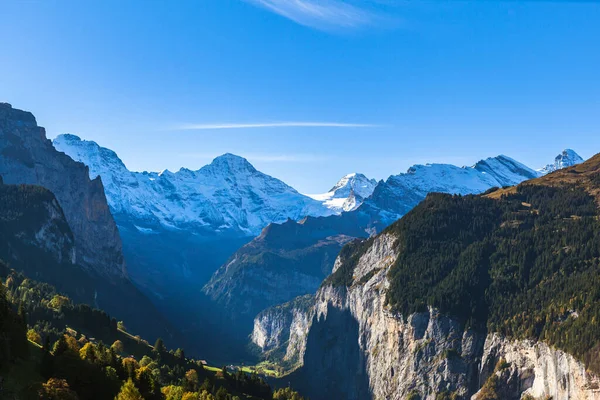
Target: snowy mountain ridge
(348, 193)
(230, 196)
(396, 196)
(227, 195)
(565, 159)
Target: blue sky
(372, 86)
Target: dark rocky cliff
(28, 157)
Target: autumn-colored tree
(117, 346)
(129, 392)
(60, 346)
(190, 396)
(145, 361)
(191, 380)
(130, 365)
(172, 392)
(145, 382)
(88, 352)
(58, 302)
(286, 394)
(57, 389)
(204, 395)
(72, 344)
(34, 337)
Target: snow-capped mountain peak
(227, 195)
(505, 170)
(565, 159)
(360, 184)
(230, 163)
(397, 195)
(348, 193)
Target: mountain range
(228, 196)
(296, 256)
(442, 282)
(179, 227)
(476, 297)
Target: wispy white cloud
(290, 158)
(265, 157)
(321, 14)
(274, 125)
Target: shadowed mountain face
(179, 227)
(334, 365)
(35, 238)
(61, 230)
(26, 156)
(285, 261)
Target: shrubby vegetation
(526, 265)
(53, 349)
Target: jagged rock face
(537, 370)
(355, 341)
(427, 353)
(280, 332)
(26, 156)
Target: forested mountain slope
(296, 256)
(53, 348)
(496, 294)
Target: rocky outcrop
(26, 156)
(356, 347)
(426, 353)
(280, 332)
(535, 369)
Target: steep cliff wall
(355, 347)
(26, 156)
(280, 332)
(535, 369)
